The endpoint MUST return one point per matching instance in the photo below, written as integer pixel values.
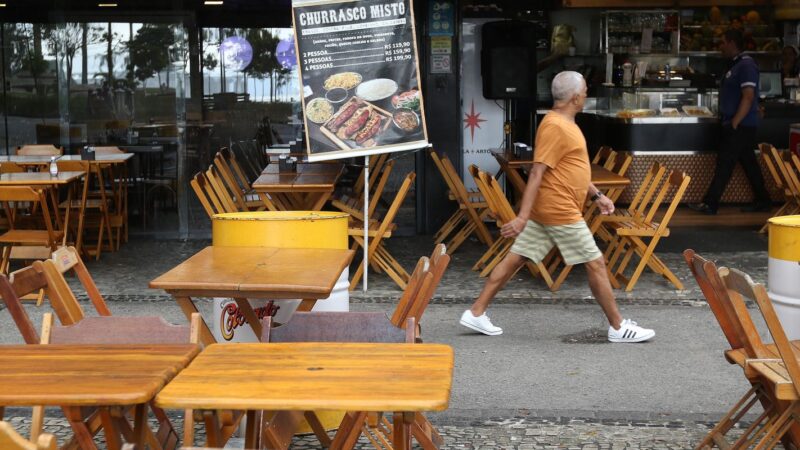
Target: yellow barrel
(280, 229)
(784, 271)
(288, 229)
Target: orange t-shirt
(560, 146)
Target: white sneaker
(630, 332)
(481, 324)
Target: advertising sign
(482, 119)
(359, 77)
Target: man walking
(550, 214)
(739, 110)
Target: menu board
(359, 77)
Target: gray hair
(566, 84)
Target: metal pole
(366, 220)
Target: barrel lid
(786, 221)
(281, 215)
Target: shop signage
(359, 77)
(441, 21)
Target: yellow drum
(284, 229)
(784, 271)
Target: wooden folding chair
(232, 179)
(40, 150)
(119, 330)
(774, 160)
(503, 212)
(97, 210)
(634, 231)
(376, 164)
(251, 164)
(355, 205)
(223, 195)
(11, 440)
(205, 193)
(472, 209)
(742, 336)
(379, 256)
(32, 242)
(777, 366)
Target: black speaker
(508, 59)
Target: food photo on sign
(359, 77)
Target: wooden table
(299, 377)
(307, 189)
(103, 376)
(243, 273)
(39, 160)
(602, 178)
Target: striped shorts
(574, 241)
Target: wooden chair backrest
(647, 189)
(120, 330)
(218, 186)
(485, 191)
(230, 159)
(228, 180)
(12, 288)
(439, 261)
(331, 326)
(11, 167)
(741, 283)
(705, 273)
(461, 193)
(107, 150)
(605, 155)
(22, 194)
(40, 150)
(388, 219)
(11, 440)
(377, 190)
(376, 164)
(751, 341)
(504, 211)
(250, 163)
(59, 292)
(72, 166)
(437, 161)
(622, 162)
(766, 158)
(677, 182)
(205, 193)
(418, 279)
(791, 181)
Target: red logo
(231, 318)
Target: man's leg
(752, 169)
(726, 161)
(497, 279)
(601, 289)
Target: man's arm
(748, 96)
(515, 227)
(604, 203)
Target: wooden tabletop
(35, 160)
(309, 177)
(601, 177)
(88, 375)
(37, 178)
(257, 272)
(315, 376)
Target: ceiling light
(213, 2)
(2, 5)
(107, 5)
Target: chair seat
(641, 229)
(94, 203)
(33, 237)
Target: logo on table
(232, 318)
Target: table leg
(250, 315)
(140, 427)
(401, 435)
(252, 429)
(2, 412)
(213, 438)
(82, 434)
(267, 201)
(320, 201)
(53, 191)
(82, 212)
(188, 308)
(306, 304)
(66, 215)
(110, 430)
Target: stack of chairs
(784, 167)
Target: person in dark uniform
(738, 107)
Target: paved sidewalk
(551, 380)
